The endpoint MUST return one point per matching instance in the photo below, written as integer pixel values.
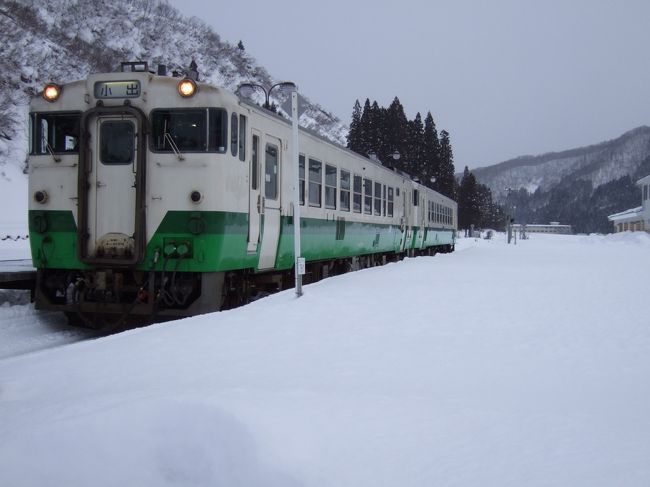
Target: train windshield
(55, 133)
(189, 130)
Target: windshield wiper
(173, 145)
(50, 151)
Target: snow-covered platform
(500, 365)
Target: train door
(111, 202)
(406, 232)
(271, 190)
(255, 198)
(422, 211)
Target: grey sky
(504, 77)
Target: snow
(497, 365)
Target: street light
(247, 89)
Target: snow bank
(497, 365)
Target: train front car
(134, 208)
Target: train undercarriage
(112, 299)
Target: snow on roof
(627, 214)
(644, 180)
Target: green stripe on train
(218, 241)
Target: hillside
(579, 187)
(598, 164)
(64, 40)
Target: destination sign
(117, 89)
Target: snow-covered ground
(496, 365)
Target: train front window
(55, 133)
(189, 130)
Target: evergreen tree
(415, 150)
(431, 151)
(240, 46)
(354, 136)
(394, 133)
(365, 122)
(469, 212)
(445, 178)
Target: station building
(635, 219)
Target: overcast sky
(504, 77)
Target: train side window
(315, 182)
(356, 203)
(378, 199)
(242, 138)
(383, 199)
(390, 201)
(54, 132)
(218, 130)
(345, 190)
(396, 192)
(367, 199)
(255, 163)
(330, 187)
(416, 196)
(271, 172)
(301, 178)
(234, 133)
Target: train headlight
(52, 92)
(40, 197)
(196, 197)
(187, 88)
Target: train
(156, 196)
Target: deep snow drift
(496, 365)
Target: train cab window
(396, 192)
(315, 182)
(301, 179)
(356, 203)
(234, 133)
(416, 196)
(367, 199)
(378, 199)
(345, 190)
(242, 138)
(330, 187)
(255, 164)
(390, 201)
(383, 199)
(116, 142)
(56, 132)
(271, 172)
(189, 130)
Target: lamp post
(247, 89)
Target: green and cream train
(153, 197)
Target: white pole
(298, 263)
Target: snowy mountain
(64, 40)
(597, 164)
